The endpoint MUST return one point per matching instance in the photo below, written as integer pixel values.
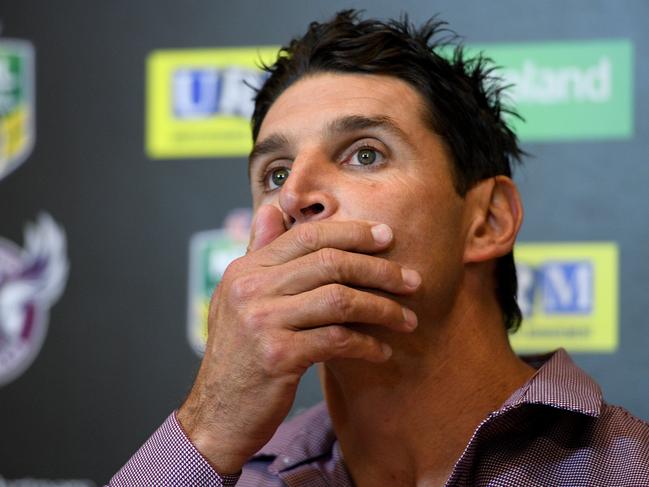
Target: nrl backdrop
(124, 196)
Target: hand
(277, 311)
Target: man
(382, 249)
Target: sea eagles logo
(16, 103)
(31, 280)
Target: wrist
(220, 453)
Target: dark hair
(463, 99)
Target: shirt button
(286, 460)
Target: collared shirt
(554, 431)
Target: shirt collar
(558, 383)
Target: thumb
(266, 227)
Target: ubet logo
(535, 83)
(561, 287)
(201, 93)
(199, 101)
(568, 293)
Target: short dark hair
(463, 99)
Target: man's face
(356, 147)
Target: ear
(495, 216)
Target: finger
(266, 227)
(335, 303)
(354, 236)
(336, 341)
(327, 266)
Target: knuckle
(235, 265)
(330, 259)
(235, 268)
(340, 337)
(308, 236)
(256, 318)
(230, 273)
(244, 287)
(272, 354)
(338, 300)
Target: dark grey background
(116, 360)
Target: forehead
(316, 99)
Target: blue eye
(277, 177)
(366, 156)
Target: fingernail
(387, 350)
(410, 277)
(382, 233)
(410, 317)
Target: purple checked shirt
(554, 431)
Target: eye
(276, 177)
(365, 156)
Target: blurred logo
(550, 85)
(563, 287)
(32, 482)
(566, 90)
(199, 101)
(31, 281)
(17, 131)
(203, 93)
(568, 293)
(210, 253)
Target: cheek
(426, 218)
(373, 201)
(427, 222)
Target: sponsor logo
(568, 293)
(31, 281)
(210, 253)
(199, 101)
(567, 90)
(209, 92)
(17, 130)
(534, 83)
(31, 482)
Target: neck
(408, 420)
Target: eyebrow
(344, 125)
(355, 123)
(271, 144)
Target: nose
(307, 194)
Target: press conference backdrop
(124, 195)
